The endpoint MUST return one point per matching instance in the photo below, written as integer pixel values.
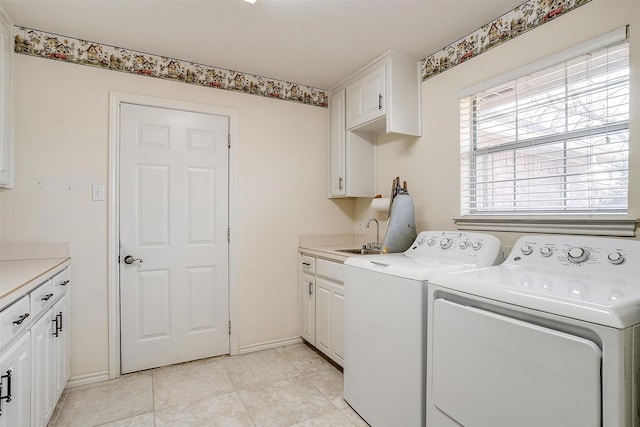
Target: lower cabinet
(15, 376)
(34, 369)
(49, 361)
(322, 306)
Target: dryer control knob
(421, 240)
(546, 251)
(526, 249)
(577, 255)
(464, 244)
(431, 242)
(476, 245)
(446, 243)
(615, 258)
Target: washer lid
(407, 265)
(610, 301)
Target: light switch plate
(97, 192)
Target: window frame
(588, 222)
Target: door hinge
(229, 327)
(228, 234)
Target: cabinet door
(338, 325)
(42, 370)
(337, 184)
(61, 346)
(366, 98)
(307, 308)
(323, 316)
(6, 104)
(15, 370)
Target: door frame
(113, 250)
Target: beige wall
(61, 148)
(430, 164)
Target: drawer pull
(306, 264)
(21, 319)
(65, 283)
(47, 297)
(7, 396)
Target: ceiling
(312, 42)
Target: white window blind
(551, 142)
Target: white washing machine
(384, 322)
(548, 338)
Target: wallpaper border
(523, 18)
(67, 49)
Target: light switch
(98, 192)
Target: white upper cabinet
(385, 96)
(6, 103)
(382, 97)
(337, 172)
(367, 98)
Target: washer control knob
(464, 244)
(577, 255)
(526, 249)
(421, 241)
(431, 242)
(615, 258)
(446, 243)
(546, 251)
(476, 245)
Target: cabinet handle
(310, 288)
(306, 264)
(7, 396)
(65, 283)
(55, 327)
(340, 183)
(47, 297)
(21, 319)
(380, 101)
(59, 325)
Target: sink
(359, 251)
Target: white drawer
(61, 283)
(42, 298)
(13, 319)
(331, 270)
(308, 264)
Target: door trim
(115, 100)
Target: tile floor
(286, 386)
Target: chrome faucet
(377, 231)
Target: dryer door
(492, 370)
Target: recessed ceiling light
(250, 1)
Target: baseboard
(269, 344)
(88, 379)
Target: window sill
(601, 226)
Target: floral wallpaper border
(523, 18)
(83, 52)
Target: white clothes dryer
(384, 322)
(548, 338)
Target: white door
(173, 173)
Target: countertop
(19, 277)
(326, 246)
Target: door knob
(130, 260)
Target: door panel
(173, 219)
(492, 370)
